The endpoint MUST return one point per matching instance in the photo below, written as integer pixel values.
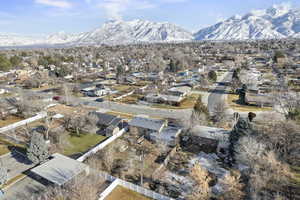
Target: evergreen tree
(15, 60)
(37, 151)
(5, 64)
(212, 75)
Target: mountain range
(279, 21)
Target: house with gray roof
(60, 169)
(163, 98)
(144, 126)
(181, 91)
(105, 124)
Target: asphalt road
(218, 94)
(140, 109)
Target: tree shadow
(19, 154)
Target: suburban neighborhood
(202, 120)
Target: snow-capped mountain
(120, 32)
(279, 21)
(7, 39)
(61, 38)
(112, 32)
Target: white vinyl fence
(133, 187)
(102, 145)
(124, 95)
(23, 122)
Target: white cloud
(55, 3)
(115, 9)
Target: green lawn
(82, 143)
(296, 178)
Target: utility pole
(142, 167)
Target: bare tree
(202, 190)
(232, 186)
(219, 112)
(76, 190)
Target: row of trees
(8, 63)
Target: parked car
(56, 98)
(99, 100)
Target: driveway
(16, 164)
(24, 190)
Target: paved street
(140, 109)
(218, 95)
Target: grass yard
(122, 115)
(5, 146)
(10, 120)
(82, 143)
(296, 178)
(189, 102)
(131, 99)
(121, 193)
(231, 101)
(3, 149)
(123, 88)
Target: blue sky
(73, 16)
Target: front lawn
(232, 99)
(121, 114)
(187, 103)
(82, 143)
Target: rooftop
(152, 124)
(60, 169)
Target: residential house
(163, 99)
(181, 91)
(169, 136)
(259, 100)
(145, 126)
(106, 124)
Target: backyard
(82, 143)
(10, 120)
(122, 193)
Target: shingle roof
(152, 124)
(104, 119)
